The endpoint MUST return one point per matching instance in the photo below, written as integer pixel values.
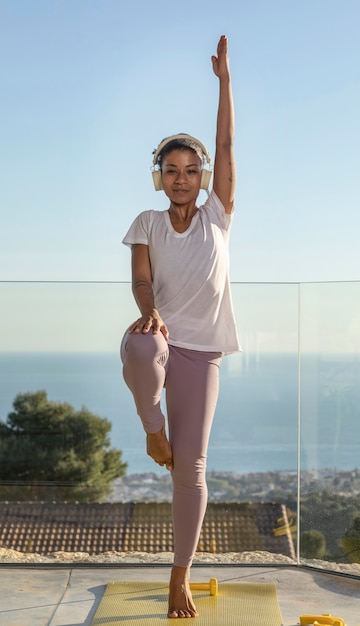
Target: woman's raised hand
(220, 62)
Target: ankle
(180, 573)
(158, 435)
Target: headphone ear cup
(156, 174)
(205, 179)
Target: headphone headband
(180, 136)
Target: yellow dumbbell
(318, 620)
(211, 586)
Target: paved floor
(69, 596)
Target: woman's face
(181, 176)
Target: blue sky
(89, 88)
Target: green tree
(312, 544)
(350, 543)
(48, 450)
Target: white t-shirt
(190, 273)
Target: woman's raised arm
(224, 163)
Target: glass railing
(329, 487)
(284, 449)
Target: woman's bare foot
(158, 447)
(181, 603)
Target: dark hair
(180, 144)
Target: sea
(275, 412)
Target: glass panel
(330, 425)
(63, 338)
(253, 445)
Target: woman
(181, 285)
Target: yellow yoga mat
(145, 604)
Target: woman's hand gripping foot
(181, 603)
(158, 447)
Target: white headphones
(205, 173)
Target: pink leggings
(191, 380)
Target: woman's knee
(146, 346)
(189, 475)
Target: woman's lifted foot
(158, 447)
(181, 603)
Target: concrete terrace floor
(69, 595)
